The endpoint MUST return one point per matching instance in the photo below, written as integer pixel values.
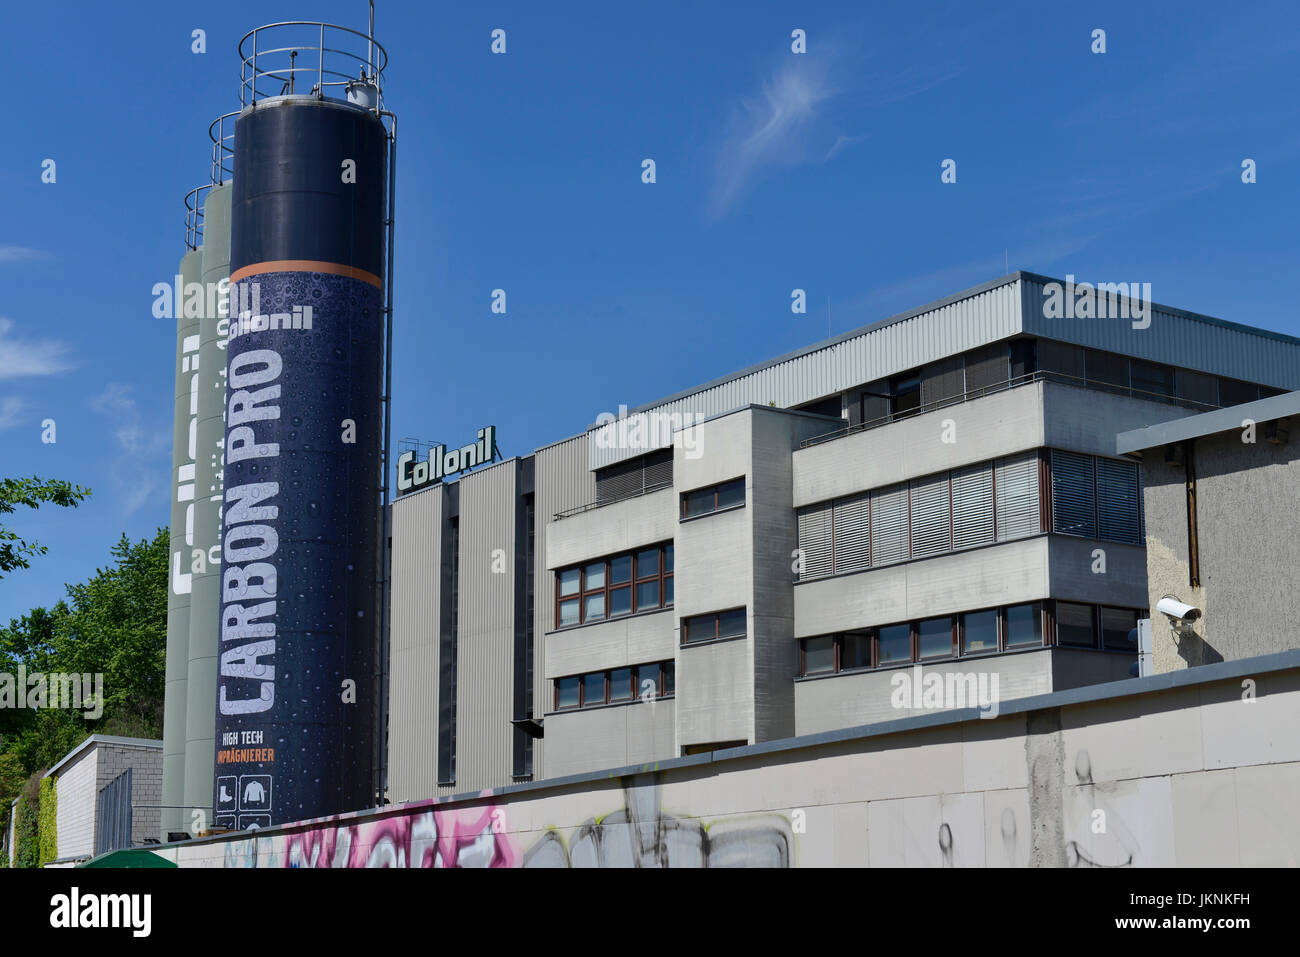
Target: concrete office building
(763, 555)
(1220, 492)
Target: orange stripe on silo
(306, 265)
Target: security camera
(1178, 612)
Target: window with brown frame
(615, 686)
(614, 586)
(714, 626)
(713, 498)
(970, 634)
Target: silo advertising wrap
(302, 452)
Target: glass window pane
(595, 576)
(1119, 629)
(935, 635)
(732, 493)
(979, 632)
(1024, 625)
(647, 595)
(647, 681)
(668, 590)
(569, 612)
(568, 692)
(698, 502)
(855, 650)
(731, 623)
(668, 558)
(620, 684)
(620, 569)
(895, 643)
(593, 688)
(1074, 625)
(699, 628)
(595, 607)
(669, 673)
(620, 601)
(819, 655)
(647, 563)
(569, 581)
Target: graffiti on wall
(639, 834)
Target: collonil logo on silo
(300, 318)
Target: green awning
(128, 857)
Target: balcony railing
(1027, 379)
(578, 510)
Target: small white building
(108, 793)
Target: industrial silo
(305, 429)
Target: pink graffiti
(463, 837)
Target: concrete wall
(616, 735)
(1249, 548)
(617, 527)
(415, 628)
(78, 788)
(1184, 769)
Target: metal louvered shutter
(852, 534)
(987, 369)
(659, 468)
(1118, 518)
(943, 381)
(931, 516)
(1017, 496)
(972, 506)
(1073, 505)
(619, 481)
(889, 525)
(815, 540)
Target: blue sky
(522, 171)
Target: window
(855, 650)
(713, 626)
(1235, 392)
(965, 508)
(619, 585)
(979, 632)
(970, 634)
(1151, 380)
(819, 655)
(1016, 483)
(1197, 388)
(616, 686)
(1096, 497)
(889, 537)
(568, 693)
(1106, 371)
(1023, 625)
(894, 643)
(1073, 495)
(931, 507)
(1119, 629)
(645, 473)
(905, 395)
(1075, 625)
(934, 638)
(1118, 501)
(715, 498)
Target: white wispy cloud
(21, 254)
(30, 357)
(11, 411)
(774, 129)
(132, 474)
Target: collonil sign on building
(443, 462)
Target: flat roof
(1207, 423)
(1018, 275)
(97, 739)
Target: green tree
(14, 551)
(114, 624)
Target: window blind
(1073, 511)
(852, 534)
(889, 525)
(1017, 496)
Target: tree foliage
(114, 624)
(30, 492)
